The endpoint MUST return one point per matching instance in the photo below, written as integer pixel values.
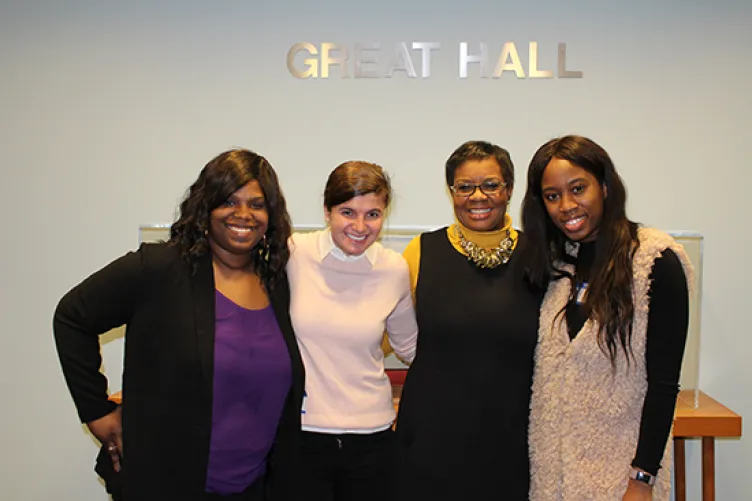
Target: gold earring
(264, 249)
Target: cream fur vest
(585, 416)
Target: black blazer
(168, 369)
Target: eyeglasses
(490, 188)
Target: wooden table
(708, 420)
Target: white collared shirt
(327, 246)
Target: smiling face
(356, 224)
(481, 211)
(237, 225)
(574, 199)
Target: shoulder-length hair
(609, 299)
(221, 177)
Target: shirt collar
(327, 246)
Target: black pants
(254, 492)
(348, 467)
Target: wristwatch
(641, 476)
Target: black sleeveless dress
(463, 417)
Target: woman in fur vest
(613, 327)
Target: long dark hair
(221, 177)
(609, 297)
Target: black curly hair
(221, 177)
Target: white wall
(109, 110)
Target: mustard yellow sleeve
(385, 346)
(412, 256)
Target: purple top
(252, 377)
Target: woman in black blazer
(212, 378)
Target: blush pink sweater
(340, 310)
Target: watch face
(641, 476)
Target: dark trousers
(254, 492)
(348, 467)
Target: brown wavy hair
(609, 297)
(221, 177)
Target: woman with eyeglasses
(463, 417)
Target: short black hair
(480, 150)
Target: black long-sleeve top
(668, 320)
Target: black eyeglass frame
(502, 185)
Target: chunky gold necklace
(483, 258)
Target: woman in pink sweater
(346, 290)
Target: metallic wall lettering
(327, 59)
(366, 64)
(562, 70)
(426, 48)
(366, 60)
(372, 60)
(533, 60)
(466, 58)
(507, 52)
(401, 61)
(311, 63)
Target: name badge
(581, 293)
